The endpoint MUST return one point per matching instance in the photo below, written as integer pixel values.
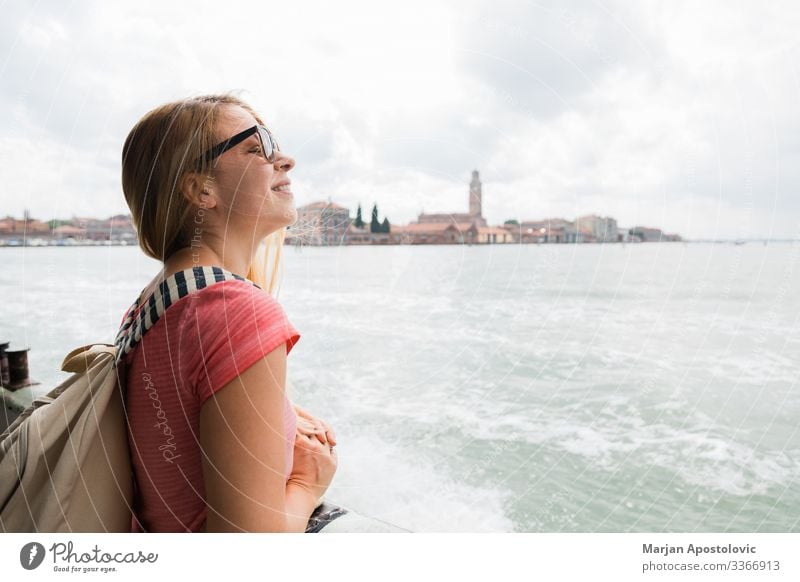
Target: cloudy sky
(670, 114)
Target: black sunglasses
(268, 144)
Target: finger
(311, 428)
(304, 431)
(304, 439)
(305, 425)
(308, 431)
(329, 434)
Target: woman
(216, 444)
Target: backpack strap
(144, 314)
(79, 359)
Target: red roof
(432, 227)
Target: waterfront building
(597, 228)
(434, 233)
(549, 230)
(320, 223)
(475, 205)
(358, 236)
(493, 235)
(14, 226)
(647, 234)
(440, 233)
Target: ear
(198, 189)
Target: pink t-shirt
(201, 343)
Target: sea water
(530, 388)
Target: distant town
(326, 223)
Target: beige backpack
(65, 462)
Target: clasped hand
(308, 425)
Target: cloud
(676, 115)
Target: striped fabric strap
(142, 316)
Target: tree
(374, 225)
(511, 222)
(359, 223)
(385, 226)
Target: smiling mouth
(286, 188)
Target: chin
(290, 216)
(273, 222)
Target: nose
(283, 161)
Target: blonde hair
(162, 147)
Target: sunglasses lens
(268, 143)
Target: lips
(283, 188)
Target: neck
(234, 259)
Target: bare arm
(243, 442)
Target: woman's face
(244, 181)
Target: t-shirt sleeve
(228, 327)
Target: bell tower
(475, 196)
